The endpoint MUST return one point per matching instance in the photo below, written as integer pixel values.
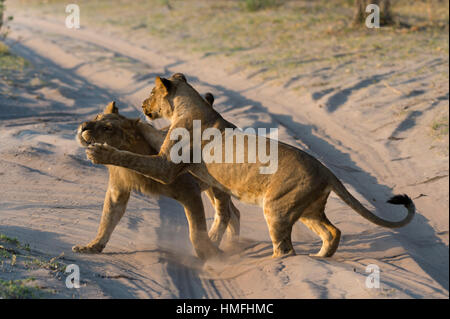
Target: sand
(51, 196)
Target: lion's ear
(209, 98)
(111, 108)
(163, 85)
(179, 76)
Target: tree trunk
(386, 17)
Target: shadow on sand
(418, 238)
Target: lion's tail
(351, 201)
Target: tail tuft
(400, 200)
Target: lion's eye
(107, 128)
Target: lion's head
(114, 129)
(158, 104)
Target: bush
(3, 20)
(2, 9)
(255, 5)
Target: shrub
(3, 20)
(255, 5)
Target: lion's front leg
(158, 167)
(227, 216)
(113, 209)
(195, 214)
(221, 203)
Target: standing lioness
(297, 190)
(116, 130)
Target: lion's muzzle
(83, 135)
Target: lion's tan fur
(298, 190)
(123, 133)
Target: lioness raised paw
(101, 153)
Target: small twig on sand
(116, 276)
(57, 257)
(397, 91)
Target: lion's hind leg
(314, 218)
(234, 226)
(280, 230)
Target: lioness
(297, 190)
(116, 130)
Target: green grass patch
(255, 5)
(18, 289)
(10, 61)
(9, 240)
(440, 127)
(277, 39)
(51, 265)
(4, 252)
(14, 241)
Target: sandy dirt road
(51, 196)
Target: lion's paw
(215, 238)
(88, 249)
(210, 252)
(101, 153)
